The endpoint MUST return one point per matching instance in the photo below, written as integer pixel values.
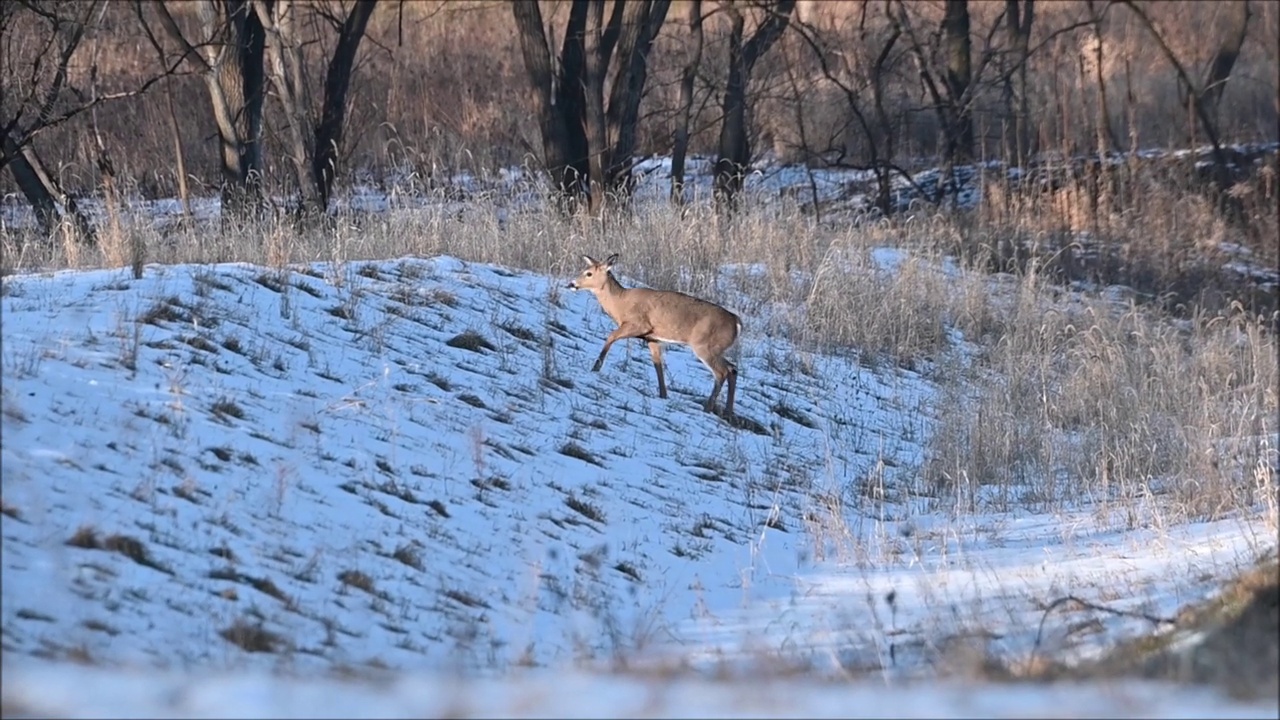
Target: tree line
(587, 71)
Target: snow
(328, 454)
(86, 692)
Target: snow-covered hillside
(406, 462)
(407, 465)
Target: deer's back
(676, 317)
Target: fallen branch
(1081, 604)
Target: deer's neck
(610, 295)
(612, 288)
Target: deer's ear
(612, 259)
(589, 260)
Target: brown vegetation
(440, 88)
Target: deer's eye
(587, 273)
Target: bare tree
(680, 146)
(876, 127)
(228, 54)
(955, 39)
(1019, 16)
(313, 139)
(175, 128)
(39, 40)
(553, 102)
(587, 145)
(1104, 135)
(1201, 99)
(950, 77)
(1224, 59)
(734, 151)
(333, 108)
(284, 67)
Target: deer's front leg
(623, 332)
(603, 351)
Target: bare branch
(171, 27)
(30, 134)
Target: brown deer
(658, 316)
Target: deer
(658, 316)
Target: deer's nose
(573, 285)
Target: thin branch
(1197, 100)
(64, 60)
(188, 50)
(55, 120)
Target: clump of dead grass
(359, 580)
(88, 538)
(253, 637)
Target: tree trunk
(42, 192)
(1018, 19)
(1198, 110)
(734, 152)
(593, 96)
(1224, 60)
(179, 157)
(252, 44)
(231, 64)
(556, 94)
(571, 101)
(1105, 137)
(955, 32)
(577, 128)
(284, 57)
(680, 147)
(537, 65)
(640, 27)
(328, 132)
(30, 181)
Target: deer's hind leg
(723, 371)
(733, 389)
(655, 351)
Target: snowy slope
(407, 465)
(256, 429)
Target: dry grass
(1112, 402)
(252, 637)
(88, 538)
